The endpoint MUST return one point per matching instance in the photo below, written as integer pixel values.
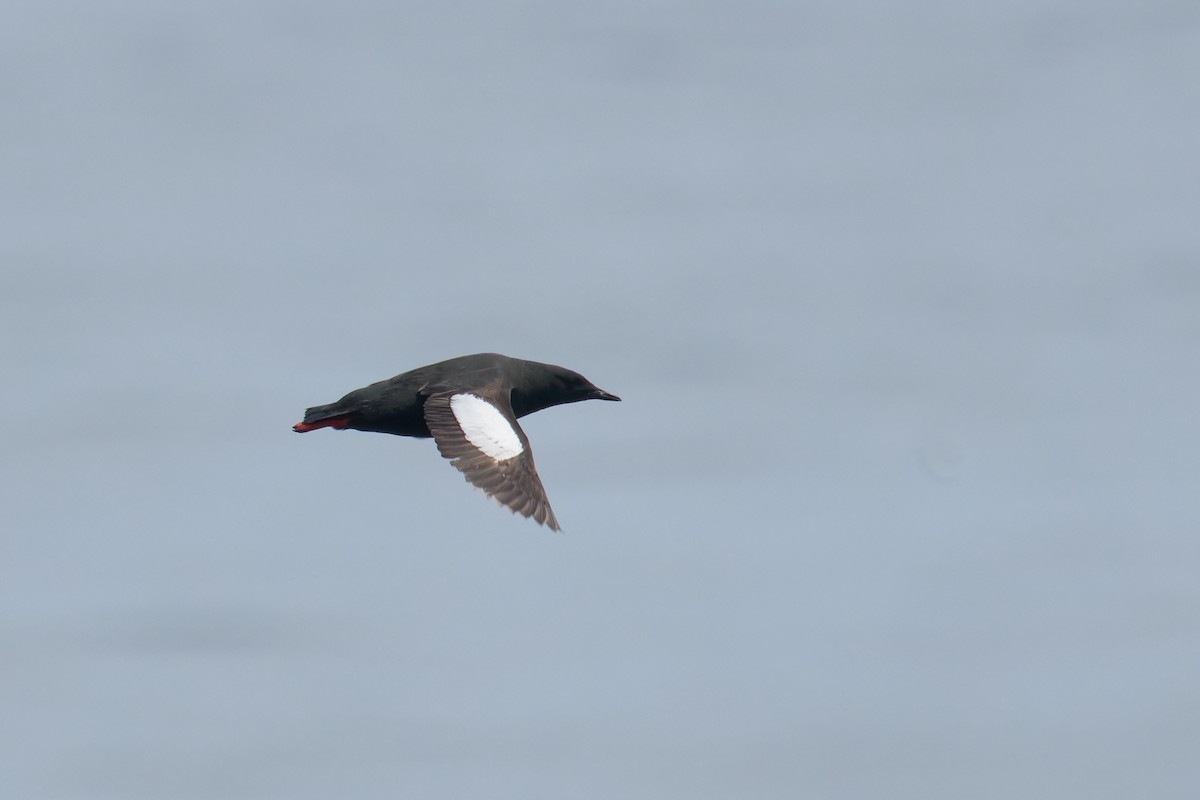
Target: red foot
(337, 422)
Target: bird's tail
(322, 417)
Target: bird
(470, 406)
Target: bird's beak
(600, 394)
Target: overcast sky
(903, 301)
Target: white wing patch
(485, 427)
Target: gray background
(903, 300)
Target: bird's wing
(482, 439)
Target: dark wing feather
(514, 482)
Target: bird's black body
(417, 404)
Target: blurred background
(903, 301)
